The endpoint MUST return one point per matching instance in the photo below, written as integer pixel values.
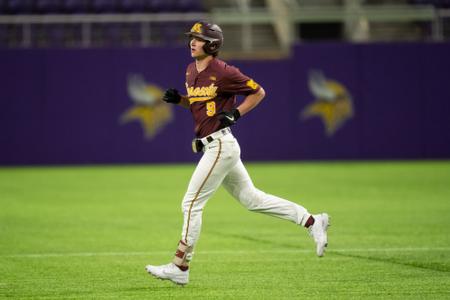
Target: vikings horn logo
(148, 108)
(333, 102)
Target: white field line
(218, 252)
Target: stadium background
(65, 106)
(64, 103)
(93, 165)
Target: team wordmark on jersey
(333, 103)
(201, 93)
(148, 109)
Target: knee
(188, 204)
(251, 198)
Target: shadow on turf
(253, 239)
(430, 266)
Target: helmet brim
(200, 36)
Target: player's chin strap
(183, 255)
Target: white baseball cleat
(319, 232)
(170, 272)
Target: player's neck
(202, 63)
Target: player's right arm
(173, 96)
(184, 101)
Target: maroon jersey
(214, 90)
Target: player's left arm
(229, 118)
(251, 101)
(240, 84)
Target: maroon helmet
(210, 33)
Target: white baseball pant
(221, 164)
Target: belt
(215, 135)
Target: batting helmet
(210, 33)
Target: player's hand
(228, 118)
(171, 96)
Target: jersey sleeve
(237, 83)
(188, 72)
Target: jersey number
(210, 108)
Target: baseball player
(212, 86)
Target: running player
(212, 86)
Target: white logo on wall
(148, 108)
(332, 103)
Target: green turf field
(88, 232)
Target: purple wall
(64, 106)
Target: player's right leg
(239, 184)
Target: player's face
(197, 47)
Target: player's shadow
(151, 288)
(397, 261)
(253, 239)
(391, 260)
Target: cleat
(169, 272)
(318, 231)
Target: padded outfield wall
(328, 101)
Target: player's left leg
(220, 156)
(239, 184)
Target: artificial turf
(88, 232)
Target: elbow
(261, 93)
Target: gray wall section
(64, 106)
